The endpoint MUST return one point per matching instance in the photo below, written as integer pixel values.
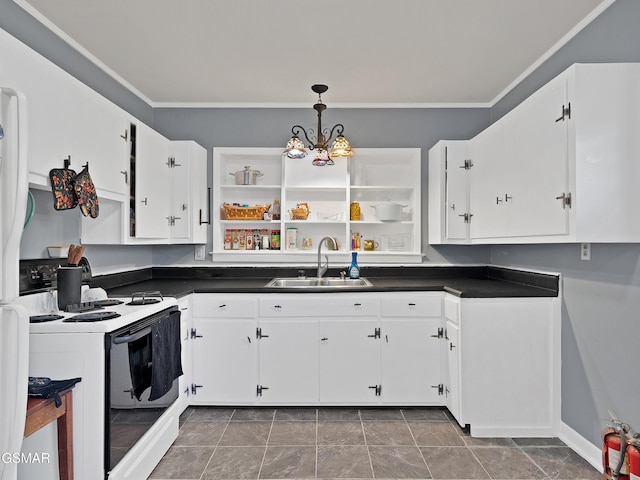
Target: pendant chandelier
(319, 141)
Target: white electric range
(70, 322)
(67, 348)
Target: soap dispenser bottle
(354, 269)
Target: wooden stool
(43, 411)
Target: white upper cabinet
(560, 167)
(49, 94)
(370, 178)
(449, 212)
(100, 138)
(520, 167)
(150, 172)
(189, 210)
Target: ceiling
(269, 53)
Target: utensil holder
(69, 286)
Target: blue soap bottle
(354, 269)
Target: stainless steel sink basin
(324, 282)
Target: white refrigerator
(14, 319)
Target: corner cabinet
(501, 353)
(557, 168)
(370, 177)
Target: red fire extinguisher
(615, 461)
(633, 452)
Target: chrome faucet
(322, 269)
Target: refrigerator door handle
(11, 243)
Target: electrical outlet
(585, 251)
(199, 253)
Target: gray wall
(601, 297)
(372, 128)
(600, 324)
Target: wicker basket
(300, 213)
(234, 212)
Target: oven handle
(133, 337)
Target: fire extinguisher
(615, 461)
(633, 452)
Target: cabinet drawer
(412, 306)
(223, 306)
(451, 309)
(319, 305)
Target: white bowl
(57, 251)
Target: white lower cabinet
(349, 361)
(411, 348)
(184, 381)
(410, 366)
(288, 361)
(308, 349)
(494, 362)
(452, 385)
(225, 362)
(225, 349)
(504, 365)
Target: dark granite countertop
(467, 282)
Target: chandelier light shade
(319, 140)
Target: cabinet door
(489, 178)
(457, 191)
(49, 93)
(288, 361)
(152, 184)
(411, 358)
(180, 209)
(349, 361)
(101, 139)
(186, 378)
(507, 358)
(225, 362)
(452, 382)
(536, 139)
(188, 193)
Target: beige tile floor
(298, 443)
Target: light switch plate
(199, 252)
(585, 251)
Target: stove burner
(92, 317)
(49, 317)
(108, 302)
(144, 301)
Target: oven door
(143, 366)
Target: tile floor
(298, 443)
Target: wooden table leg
(65, 439)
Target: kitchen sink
(324, 282)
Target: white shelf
(251, 187)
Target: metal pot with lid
(246, 176)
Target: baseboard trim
(587, 450)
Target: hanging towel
(166, 354)
(140, 364)
(86, 193)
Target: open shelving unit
(370, 177)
